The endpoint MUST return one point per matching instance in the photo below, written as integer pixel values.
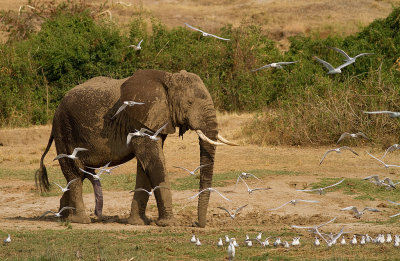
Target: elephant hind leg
(140, 199)
(98, 193)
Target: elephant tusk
(227, 142)
(205, 138)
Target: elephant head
(182, 100)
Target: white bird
(296, 241)
(314, 228)
(392, 114)
(354, 240)
(258, 237)
(286, 244)
(294, 202)
(388, 238)
(231, 249)
(396, 243)
(220, 243)
(154, 136)
(95, 176)
(198, 243)
(234, 213)
(252, 190)
(7, 240)
(66, 187)
(391, 149)
(362, 241)
(352, 135)
(334, 238)
(124, 105)
(72, 156)
(384, 164)
(137, 133)
(277, 242)
(210, 189)
(273, 65)
(331, 69)
(368, 239)
(105, 168)
(358, 214)
(227, 239)
(337, 150)
(249, 243)
(148, 192)
(193, 173)
(247, 238)
(321, 190)
(381, 239)
(193, 239)
(136, 47)
(266, 242)
(235, 243)
(56, 214)
(206, 34)
(385, 182)
(343, 241)
(245, 175)
(348, 58)
(316, 242)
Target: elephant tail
(41, 178)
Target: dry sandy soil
(20, 205)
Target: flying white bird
(321, 190)
(95, 176)
(154, 136)
(72, 156)
(193, 173)
(252, 190)
(137, 133)
(234, 213)
(273, 65)
(392, 114)
(331, 69)
(348, 58)
(206, 34)
(66, 187)
(315, 228)
(385, 182)
(384, 164)
(210, 189)
(391, 149)
(294, 202)
(136, 47)
(56, 214)
(395, 215)
(124, 105)
(357, 213)
(105, 168)
(7, 240)
(231, 249)
(148, 192)
(334, 238)
(245, 175)
(337, 150)
(352, 135)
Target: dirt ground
(20, 205)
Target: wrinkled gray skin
(83, 119)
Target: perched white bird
(249, 243)
(348, 58)
(136, 47)
(343, 241)
(137, 133)
(193, 173)
(294, 202)
(296, 241)
(337, 150)
(362, 241)
(220, 243)
(7, 240)
(105, 168)
(66, 187)
(368, 239)
(273, 65)
(286, 244)
(277, 242)
(388, 238)
(266, 242)
(316, 242)
(321, 190)
(124, 105)
(227, 239)
(392, 114)
(56, 214)
(357, 213)
(354, 240)
(210, 189)
(396, 243)
(384, 164)
(258, 237)
(252, 190)
(331, 69)
(154, 136)
(198, 243)
(391, 149)
(231, 249)
(193, 239)
(234, 213)
(381, 239)
(247, 238)
(72, 156)
(352, 135)
(148, 192)
(206, 34)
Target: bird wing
(129, 138)
(69, 183)
(303, 227)
(160, 129)
(371, 209)
(342, 52)
(140, 43)
(59, 185)
(333, 184)
(45, 213)
(198, 193)
(182, 168)
(86, 171)
(227, 211)
(59, 156)
(377, 112)
(345, 64)
(143, 130)
(76, 150)
(326, 64)
(64, 208)
(212, 189)
(377, 159)
(337, 235)
(309, 201)
(262, 67)
(323, 157)
(280, 206)
(362, 134)
(260, 189)
(306, 190)
(393, 202)
(395, 215)
(353, 208)
(140, 189)
(253, 175)
(158, 187)
(194, 28)
(324, 224)
(372, 177)
(389, 181)
(218, 37)
(348, 148)
(345, 134)
(121, 108)
(199, 167)
(239, 209)
(116, 166)
(362, 54)
(284, 63)
(245, 183)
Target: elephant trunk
(207, 154)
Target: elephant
(84, 118)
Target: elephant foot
(141, 221)
(197, 224)
(79, 218)
(165, 222)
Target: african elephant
(85, 119)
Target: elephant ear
(149, 87)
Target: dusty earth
(20, 205)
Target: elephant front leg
(140, 199)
